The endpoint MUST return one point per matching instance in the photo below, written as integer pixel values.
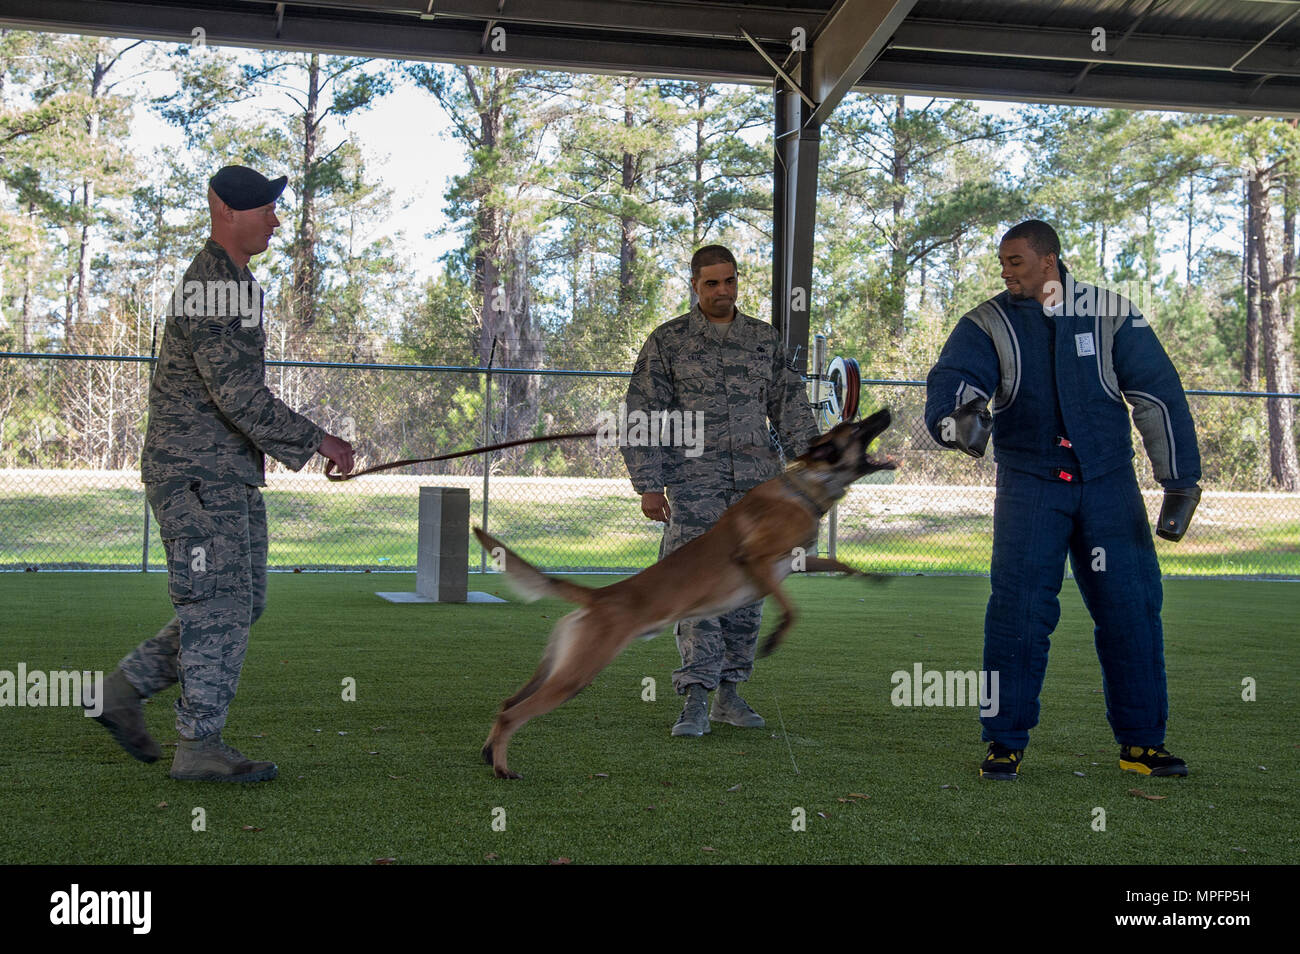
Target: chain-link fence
(566, 506)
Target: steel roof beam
(1038, 43)
(697, 19)
(1206, 93)
(403, 39)
(846, 43)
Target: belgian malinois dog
(742, 559)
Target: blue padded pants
(1102, 525)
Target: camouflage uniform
(736, 374)
(211, 419)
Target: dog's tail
(530, 582)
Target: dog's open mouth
(869, 429)
(841, 446)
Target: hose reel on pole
(835, 395)
(836, 390)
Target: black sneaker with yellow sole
(1001, 764)
(1148, 760)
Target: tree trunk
(575, 274)
(84, 253)
(1250, 281)
(159, 261)
(1286, 307)
(492, 314)
(70, 295)
(1149, 244)
(28, 278)
(501, 272)
(1290, 195)
(897, 254)
(85, 250)
(627, 245)
(1276, 335)
(697, 187)
(304, 263)
(488, 238)
(522, 389)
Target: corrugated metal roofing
(1210, 55)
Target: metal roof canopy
(1238, 56)
(1210, 55)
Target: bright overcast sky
(407, 148)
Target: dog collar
(817, 507)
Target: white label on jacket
(1083, 345)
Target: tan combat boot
(123, 716)
(729, 707)
(211, 760)
(693, 721)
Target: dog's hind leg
(815, 564)
(578, 651)
(495, 738)
(539, 676)
(549, 696)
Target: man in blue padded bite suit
(1057, 360)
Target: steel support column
(847, 41)
(794, 215)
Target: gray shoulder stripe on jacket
(1153, 430)
(1103, 344)
(1015, 345)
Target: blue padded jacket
(1067, 376)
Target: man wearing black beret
(212, 420)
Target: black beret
(243, 188)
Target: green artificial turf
(396, 773)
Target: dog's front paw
(505, 773)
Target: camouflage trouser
(215, 536)
(720, 649)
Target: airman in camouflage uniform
(731, 368)
(211, 421)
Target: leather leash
(331, 475)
